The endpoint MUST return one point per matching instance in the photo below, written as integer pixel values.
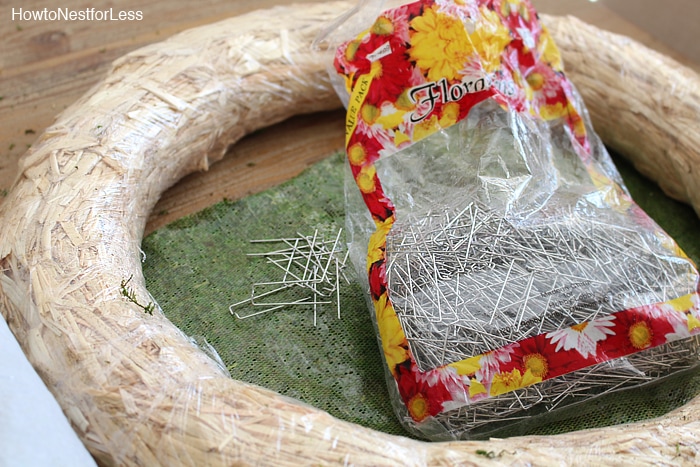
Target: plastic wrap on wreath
(510, 273)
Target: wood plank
(47, 65)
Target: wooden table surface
(46, 65)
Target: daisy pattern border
(547, 356)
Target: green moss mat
(196, 267)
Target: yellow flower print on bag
(512, 380)
(393, 339)
(439, 44)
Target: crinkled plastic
(510, 274)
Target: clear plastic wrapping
(510, 273)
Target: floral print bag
(509, 272)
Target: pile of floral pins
(465, 281)
(307, 263)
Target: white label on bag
(381, 52)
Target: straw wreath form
(135, 388)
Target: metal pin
(307, 262)
(277, 307)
